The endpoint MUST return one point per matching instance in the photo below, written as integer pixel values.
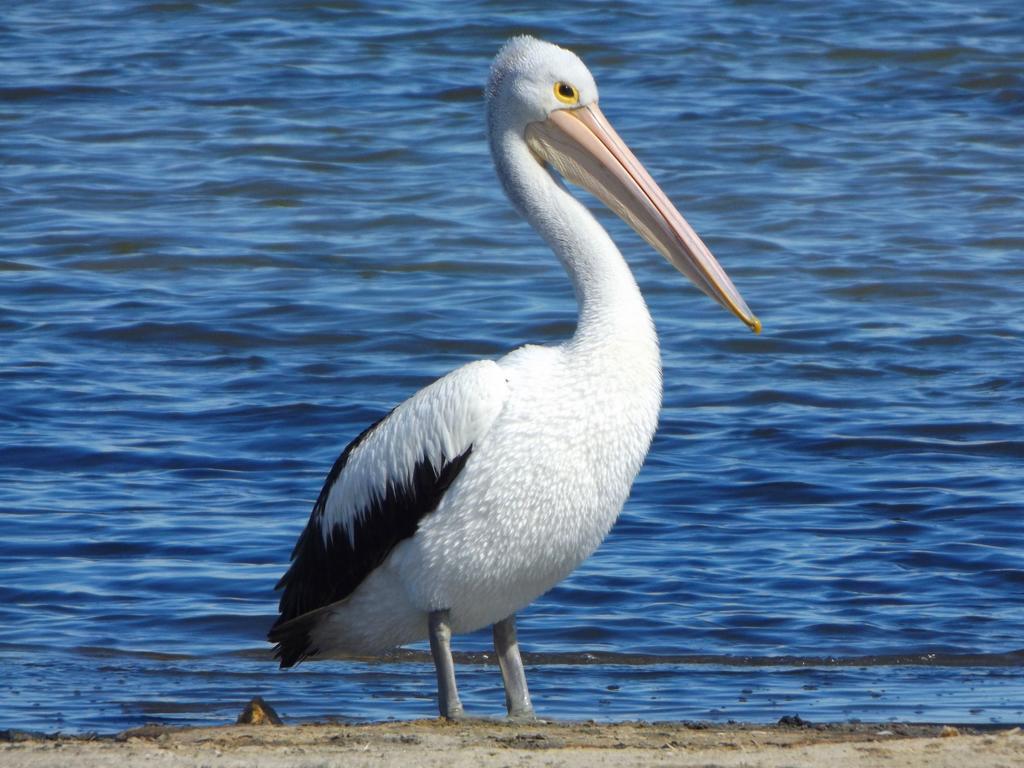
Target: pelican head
(546, 98)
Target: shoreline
(470, 743)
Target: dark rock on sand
(258, 712)
(794, 721)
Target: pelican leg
(517, 695)
(441, 648)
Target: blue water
(235, 234)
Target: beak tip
(755, 324)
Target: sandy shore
(431, 743)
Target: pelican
(486, 488)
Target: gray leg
(517, 695)
(441, 647)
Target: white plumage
(486, 488)
(438, 423)
(549, 473)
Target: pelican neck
(609, 300)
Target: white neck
(611, 307)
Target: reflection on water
(115, 688)
(235, 235)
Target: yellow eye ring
(567, 94)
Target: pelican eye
(567, 94)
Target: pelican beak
(582, 145)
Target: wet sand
(474, 743)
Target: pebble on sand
(258, 712)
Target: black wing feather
(323, 573)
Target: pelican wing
(388, 479)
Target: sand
(475, 743)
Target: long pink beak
(582, 145)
